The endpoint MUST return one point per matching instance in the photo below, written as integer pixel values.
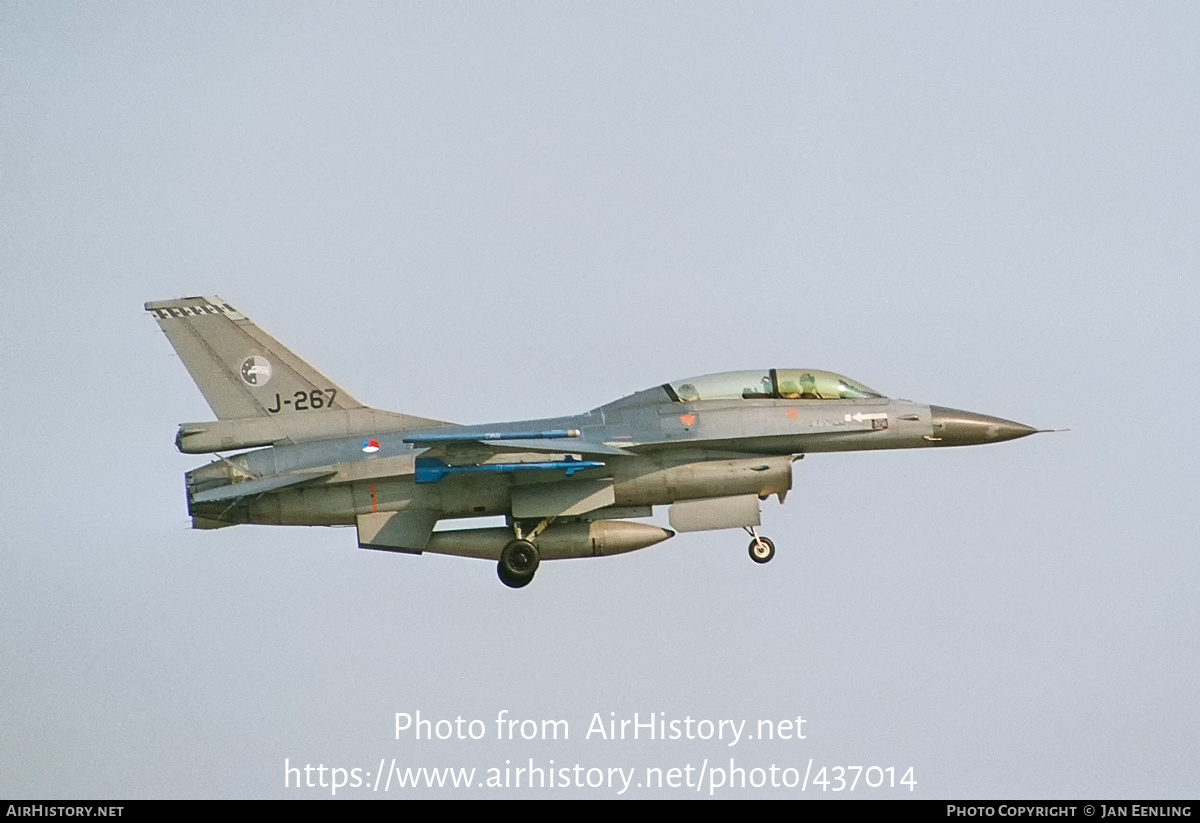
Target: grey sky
(483, 212)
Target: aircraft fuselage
(674, 451)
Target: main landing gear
(519, 559)
(518, 562)
(761, 548)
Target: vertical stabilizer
(240, 369)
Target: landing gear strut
(761, 548)
(518, 561)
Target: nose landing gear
(761, 548)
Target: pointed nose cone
(952, 427)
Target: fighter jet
(710, 448)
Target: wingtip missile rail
(471, 437)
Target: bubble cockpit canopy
(770, 384)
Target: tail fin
(242, 371)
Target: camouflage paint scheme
(710, 447)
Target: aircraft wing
(556, 441)
(556, 447)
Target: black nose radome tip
(952, 427)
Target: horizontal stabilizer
(433, 470)
(250, 488)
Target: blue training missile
(433, 470)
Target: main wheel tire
(762, 550)
(508, 580)
(518, 562)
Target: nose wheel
(761, 548)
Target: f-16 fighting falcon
(711, 448)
